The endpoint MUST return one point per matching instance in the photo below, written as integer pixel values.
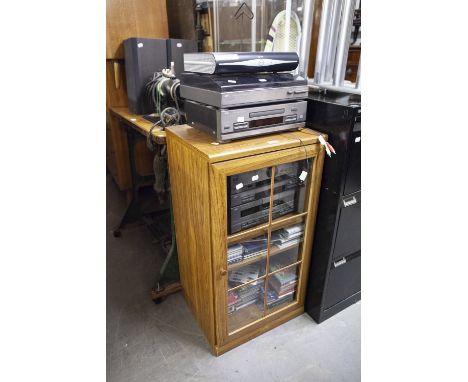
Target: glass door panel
(245, 304)
(265, 240)
(286, 245)
(248, 199)
(247, 260)
(290, 188)
(282, 287)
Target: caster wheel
(117, 233)
(158, 300)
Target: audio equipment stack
(239, 95)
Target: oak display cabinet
(244, 217)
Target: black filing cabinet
(335, 272)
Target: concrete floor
(148, 342)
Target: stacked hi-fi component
(240, 95)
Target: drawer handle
(336, 264)
(223, 272)
(349, 202)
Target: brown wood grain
(119, 149)
(117, 158)
(116, 96)
(266, 160)
(191, 205)
(181, 18)
(133, 18)
(218, 239)
(262, 326)
(218, 173)
(110, 152)
(314, 38)
(121, 164)
(199, 195)
(352, 65)
(215, 152)
(248, 233)
(312, 203)
(353, 53)
(140, 124)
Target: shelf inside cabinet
(288, 219)
(248, 233)
(273, 252)
(276, 251)
(251, 282)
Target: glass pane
(245, 304)
(248, 199)
(256, 25)
(286, 245)
(290, 188)
(247, 260)
(281, 288)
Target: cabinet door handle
(223, 272)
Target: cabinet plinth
(244, 217)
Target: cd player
(228, 124)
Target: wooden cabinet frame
(199, 189)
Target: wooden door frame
(218, 216)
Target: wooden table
(138, 123)
(138, 128)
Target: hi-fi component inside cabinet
(244, 217)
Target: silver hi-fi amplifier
(225, 125)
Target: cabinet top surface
(140, 124)
(218, 152)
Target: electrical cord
(170, 116)
(328, 147)
(149, 139)
(157, 91)
(307, 169)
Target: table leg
(168, 282)
(133, 211)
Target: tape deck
(249, 195)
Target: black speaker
(143, 57)
(175, 52)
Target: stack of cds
(234, 253)
(248, 249)
(244, 275)
(248, 295)
(243, 297)
(255, 247)
(282, 286)
(273, 300)
(288, 237)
